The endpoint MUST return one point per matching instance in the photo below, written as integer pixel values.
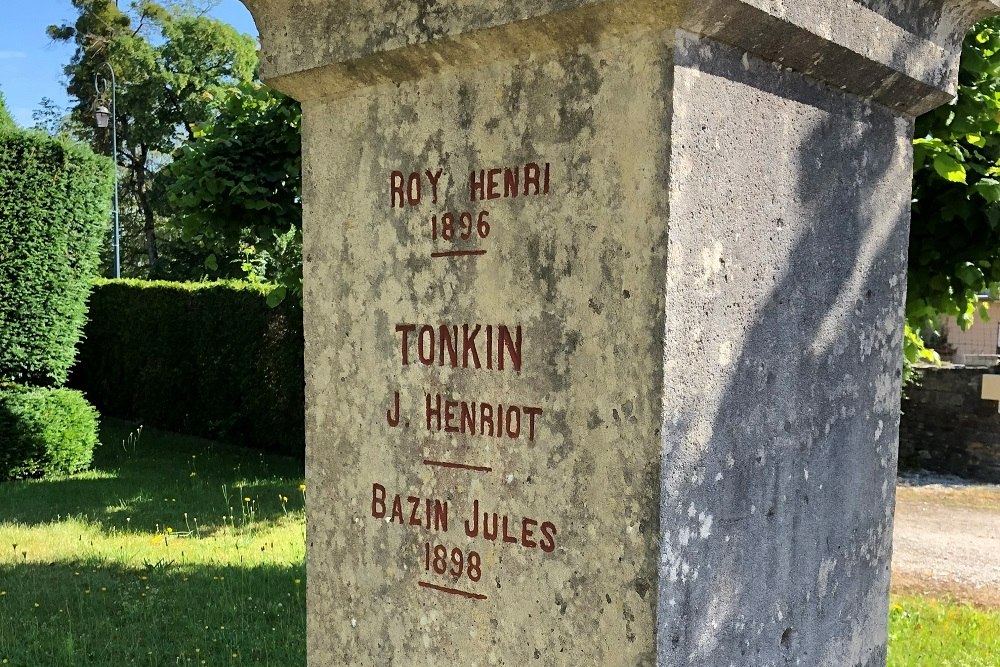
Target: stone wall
(946, 427)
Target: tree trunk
(142, 194)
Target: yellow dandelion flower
(302, 487)
(169, 530)
(247, 500)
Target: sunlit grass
(173, 550)
(924, 632)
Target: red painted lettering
(449, 343)
(414, 506)
(413, 189)
(548, 543)
(472, 529)
(531, 176)
(527, 526)
(493, 184)
(510, 539)
(425, 345)
(477, 186)
(469, 345)
(396, 181)
(511, 179)
(479, 419)
(378, 501)
(404, 350)
(508, 347)
(449, 417)
(397, 511)
(433, 179)
(434, 412)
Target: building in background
(979, 345)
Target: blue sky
(31, 64)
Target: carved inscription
(455, 533)
(462, 231)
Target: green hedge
(45, 431)
(55, 197)
(208, 359)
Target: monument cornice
(328, 49)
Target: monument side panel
(788, 238)
(484, 295)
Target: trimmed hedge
(208, 359)
(45, 432)
(55, 197)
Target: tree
(6, 120)
(51, 118)
(238, 184)
(955, 236)
(172, 64)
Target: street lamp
(104, 118)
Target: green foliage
(238, 184)
(6, 120)
(53, 119)
(45, 432)
(173, 66)
(54, 203)
(955, 237)
(209, 359)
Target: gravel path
(947, 538)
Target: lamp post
(104, 117)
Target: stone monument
(603, 322)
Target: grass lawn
(924, 632)
(171, 551)
(180, 551)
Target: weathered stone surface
(697, 297)
(581, 270)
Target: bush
(208, 359)
(54, 202)
(45, 431)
